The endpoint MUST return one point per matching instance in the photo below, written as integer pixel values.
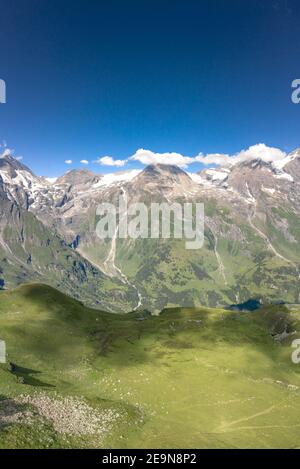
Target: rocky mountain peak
(257, 163)
(292, 165)
(163, 173)
(10, 165)
(78, 177)
(161, 178)
(295, 153)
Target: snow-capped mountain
(252, 233)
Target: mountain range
(252, 232)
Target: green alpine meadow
(189, 377)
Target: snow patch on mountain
(280, 164)
(284, 175)
(51, 180)
(197, 178)
(218, 175)
(117, 177)
(268, 190)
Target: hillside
(194, 377)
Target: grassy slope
(188, 378)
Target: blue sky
(105, 78)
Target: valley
(48, 234)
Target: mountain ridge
(251, 231)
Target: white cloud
(9, 152)
(109, 161)
(6, 152)
(149, 157)
(219, 159)
(259, 151)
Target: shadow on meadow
(24, 376)
(10, 411)
(58, 328)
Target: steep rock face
(249, 178)
(11, 166)
(32, 251)
(252, 231)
